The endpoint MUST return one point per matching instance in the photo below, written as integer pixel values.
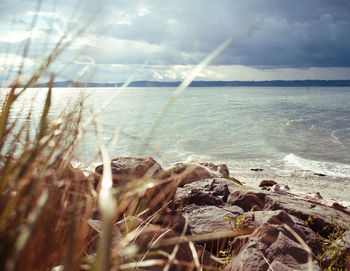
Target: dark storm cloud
(284, 33)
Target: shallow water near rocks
(291, 133)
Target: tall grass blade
(107, 207)
(5, 112)
(47, 105)
(27, 230)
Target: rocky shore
(203, 211)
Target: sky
(164, 40)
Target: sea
(288, 133)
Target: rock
(207, 219)
(258, 200)
(97, 226)
(272, 245)
(57, 174)
(211, 219)
(203, 204)
(257, 169)
(318, 195)
(276, 188)
(320, 174)
(249, 200)
(221, 168)
(281, 189)
(285, 188)
(340, 207)
(256, 219)
(204, 192)
(148, 240)
(150, 193)
(131, 168)
(267, 183)
(187, 173)
(94, 179)
(176, 222)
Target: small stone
(286, 188)
(320, 174)
(257, 169)
(275, 188)
(267, 183)
(318, 195)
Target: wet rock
(272, 244)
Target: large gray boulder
(184, 174)
(213, 191)
(273, 245)
(203, 204)
(131, 168)
(319, 216)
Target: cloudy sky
(273, 39)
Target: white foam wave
(334, 136)
(327, 168)
(296, 122)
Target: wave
(293, 121)
(335, 138)
(327, 168)
(341, 136)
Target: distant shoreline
(272, 83)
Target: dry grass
(46, 205)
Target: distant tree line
(273, 83)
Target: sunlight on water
(285, 129)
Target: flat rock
(211, 219)
(207, 219)
(204, 204)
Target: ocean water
(291, 133)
